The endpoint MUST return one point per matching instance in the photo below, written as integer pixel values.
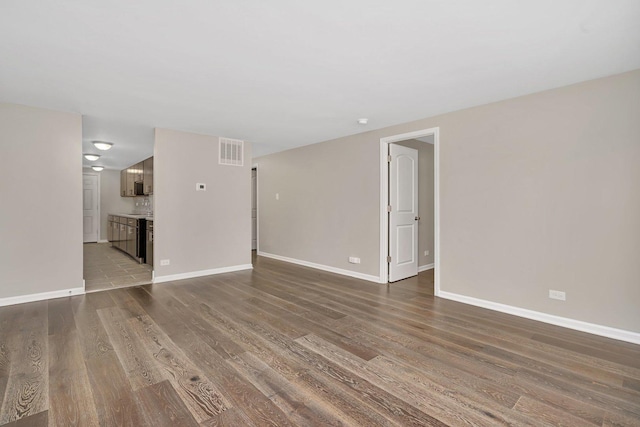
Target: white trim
(384, 190)
(367, 277)
(21, 299)
(578, 325)
(426, 267)
(192, 274)
(384, 219)
(257, 168)
(436, 209)
(103, 241)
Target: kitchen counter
(134, 216)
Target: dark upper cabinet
(148, 176)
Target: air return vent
(231, 152)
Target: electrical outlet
(165, 262)
(277, 196)
(201, 186)
(354, 260)
(559, 295)
(426, 253)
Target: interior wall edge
(21, 299)
(192, 274)
(343, 272)
(578, 325)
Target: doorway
(411, 253)
(113, 258)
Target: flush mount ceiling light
(101, 145)
(97, 168)
(91, 157)
(363, 121)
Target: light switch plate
(201, 187)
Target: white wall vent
(231, 152)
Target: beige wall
(199, 230)
(426, 237)
(40, 199)
(110, 200)
(536, 193)
(328, 204)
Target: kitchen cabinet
(122, 234)
(148, 176)
(110, 228)
(131, 240)
(141, 173)
(128, 234)
(123, 183)
(115, 233)
(130, 181)
(138, 172)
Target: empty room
(337, 213)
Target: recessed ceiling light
(363, 121)
(101, 145)
(97, 168)
(91, 157)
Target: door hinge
(388, 208)
(389, 159)
(388, 259)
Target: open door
(403, 212)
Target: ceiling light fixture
(363, 121)
(101, 145)
(97, 168)
(91, 157)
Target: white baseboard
(349, 273)
(103, 241)
(578, 325)
(425, 267)
(21, 299)
(192, 274)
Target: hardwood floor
(290, 346)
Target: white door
(254, 209)
(90, 207)
(403, 218)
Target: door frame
(98, 191)
(384, 199)
(256, 166)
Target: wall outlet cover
(201, 186)
(165, 262)
(559, 295)
(354, 260)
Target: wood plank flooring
(284, 345)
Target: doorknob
(417, 218)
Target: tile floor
(107, 268)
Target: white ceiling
(280, 74)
